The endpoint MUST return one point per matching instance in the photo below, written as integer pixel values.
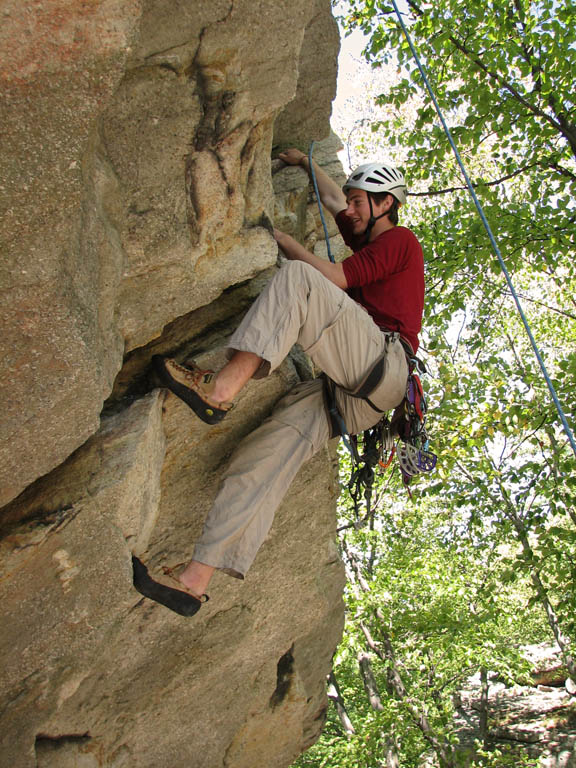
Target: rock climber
(349, 317)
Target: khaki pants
(299, 305)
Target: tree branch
(558, 125)
(561, 124)
(370, 685)
(483, 724)
(493, 183)
(336, 698)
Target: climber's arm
(296, 252)
(331, 195)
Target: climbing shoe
(176, 599)
(192, 385)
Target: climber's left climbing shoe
(192, 385)
(177, 599)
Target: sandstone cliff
(137, 138)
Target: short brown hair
(392, 213)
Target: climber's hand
(295, 252)
(279, 236)
(289, 247)
(292, 156)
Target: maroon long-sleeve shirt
(386, 276)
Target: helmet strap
(373, 219)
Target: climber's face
(358, 209)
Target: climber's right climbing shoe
(192, 385)
(177, 599)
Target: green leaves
(483, 558)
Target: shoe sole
(208, 413)
(174, 599)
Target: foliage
(421, 580)
(503, 74)
(484, 557)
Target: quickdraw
(403, 435)
(409, 424)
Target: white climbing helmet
(378, 177)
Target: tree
(428, 605)
(503, 75)
(485, 555)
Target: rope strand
(495, 247)
(313, 175)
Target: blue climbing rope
(313, 175)
(489, 231)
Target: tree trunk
(562, 639)
(444, 751)
(336, 698)
(395, 685)
(369, 681)
(392, 760)
(483, 725)
(389, 746)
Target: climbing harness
(402, 435)
(495, 247)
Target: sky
(354, 109)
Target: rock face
(136, 167)
(522, 721)
(136, 171)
